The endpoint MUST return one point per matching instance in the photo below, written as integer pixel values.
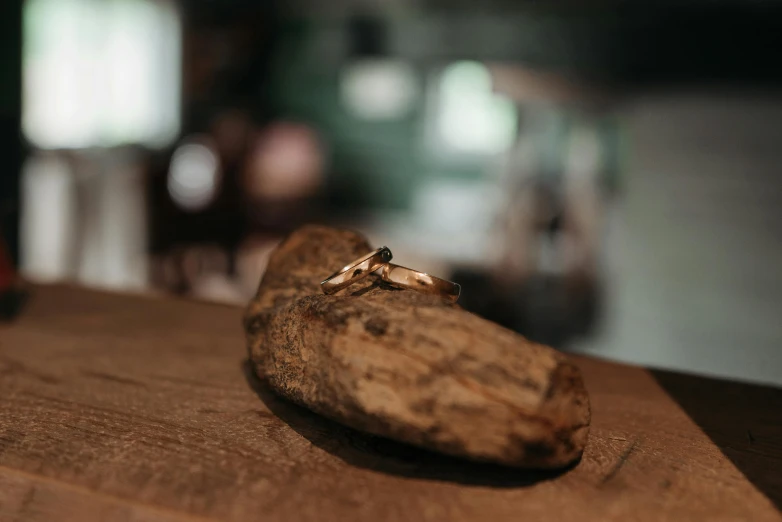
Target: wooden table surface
(129, 408)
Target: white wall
(694, 250)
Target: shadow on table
(743, 420)
(388, 456)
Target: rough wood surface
(127, 408)
(410, 366)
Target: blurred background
(601, 176)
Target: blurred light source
(285, 163)
(378, 89)
(194, 175)
(101, 72)
(471, 118)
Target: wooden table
(128, 408)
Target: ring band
(402, 277)
(357, 270)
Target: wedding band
(357, 270)
(402, 277)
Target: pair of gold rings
(394, 275)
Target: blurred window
(101, 72)
(379, 89)
(469, 117)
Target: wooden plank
(30, 497)
(130, 408)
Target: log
(409, 366)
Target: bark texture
(410, 366)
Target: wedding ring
(357, 270)
(402, 277)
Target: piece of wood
(407, 365)
(127, 408)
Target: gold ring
(357, 270)
(402, 277)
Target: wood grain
(127, 408)
(407, 365)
